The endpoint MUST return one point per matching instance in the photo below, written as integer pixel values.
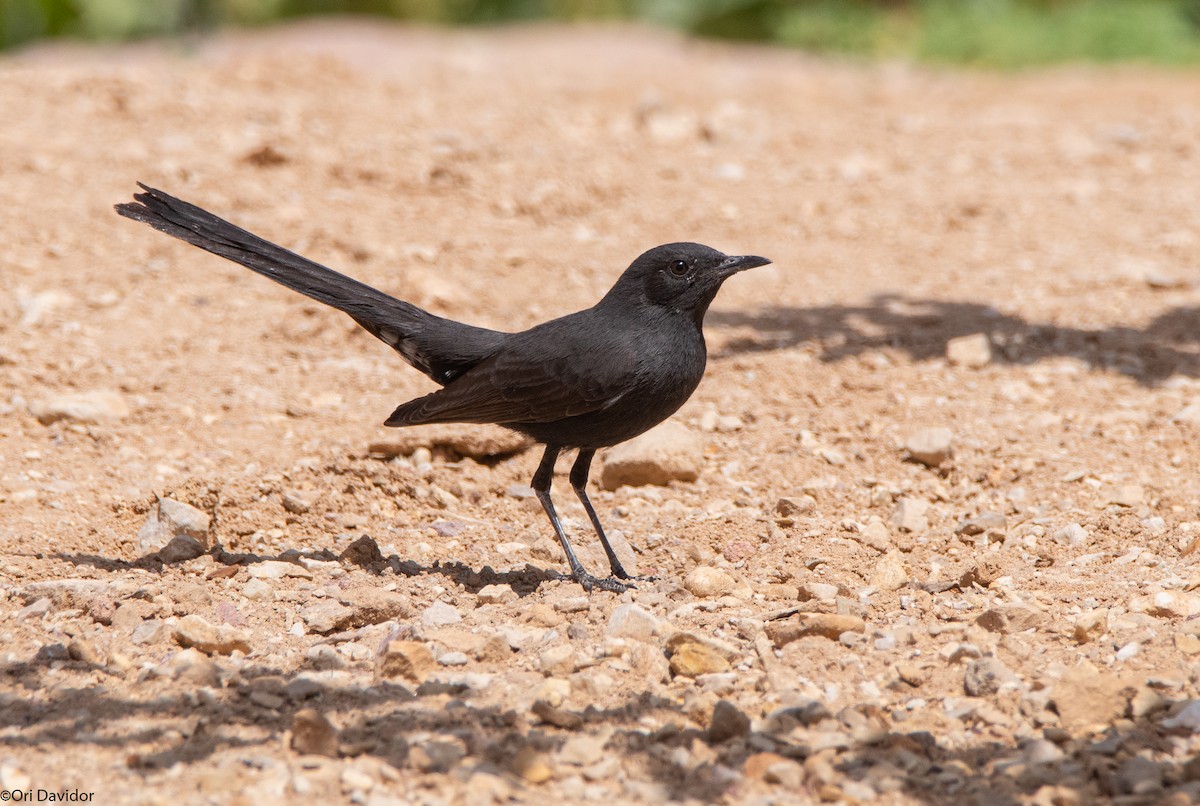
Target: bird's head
(681, 277)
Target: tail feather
(207, 231)
(441, 348)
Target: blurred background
(990, 33)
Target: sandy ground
(881, 650)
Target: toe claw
(620, 573)
(589, 582)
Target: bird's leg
(541, 487)
(579, 478)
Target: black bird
(587, 380)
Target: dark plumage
(586, 380)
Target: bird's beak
(732, 265)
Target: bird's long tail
(201, 228)
(441, 348)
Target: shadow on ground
(1169, 345)
(364, 552)
(176, 727)
(386, 719)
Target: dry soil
(869, 643)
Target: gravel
(833, 654)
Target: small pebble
(973, 352)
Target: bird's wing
(530, 386)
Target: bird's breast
(666, 376)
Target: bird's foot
(619, 572)
(590, 582)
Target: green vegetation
(1013, 34)
(991, 33)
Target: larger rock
(1188, 415)
(1166, 604)
(1010, 618)
(690, 658)
(1127, 495)
(409, 660)
(669, 452)
(707, 582)
(35, 610)
(727, 722)
(1090, 625)
(375, 606)
(584, 750)
(175, 531)
(1087, 698)
(911, 515)
(365, 552)
(631, 621)
(297, 501)
(277, 569)
(326, 617)
(75, 593)
(313, 734)
(475, 441)
(804, 625)
(931, 446)
(532, 766)
(557, 660)
(496, 594)
(889, 572)
(983, 522)
(81, 407)
(1187, 719)
(439, 614)
(985, 676)
(190, 666)
(211, 639)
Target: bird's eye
(679, 268)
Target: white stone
(1072, 534)
(708, 582)
(631, 621)
(972, 351)
(1188, 718)
(175, 531)
(910, 515)
(439, 614)
(258, 591)
(889, 572)
(496, 594)
(931, 446)
(81, 407)
(277, 569)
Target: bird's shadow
(1168, 345)
(364, 553)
